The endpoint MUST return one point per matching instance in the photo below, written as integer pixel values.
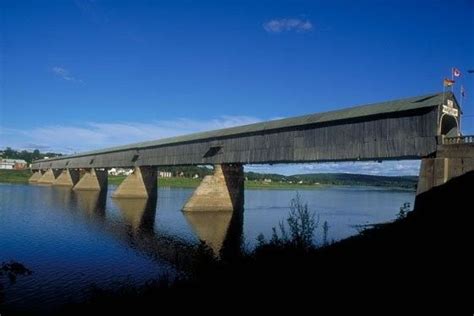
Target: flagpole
(444, 91)
(452, 78)
(460, 109)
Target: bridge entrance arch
(449, 126)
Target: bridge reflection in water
(134, 224)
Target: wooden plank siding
(396, 135)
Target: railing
(467, 139)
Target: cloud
(290, 24)
(63, 73)
(95, 135)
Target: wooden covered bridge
(411, 128)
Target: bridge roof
(375, 109)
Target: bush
(301, 227)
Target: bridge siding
(401, 135)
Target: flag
(448, 82)
(456, 72)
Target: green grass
(15, 176)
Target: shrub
(301, 227)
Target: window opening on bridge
(135, 158)
(212, 151)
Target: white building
(13, 164)
(165, 174)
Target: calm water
(72, 240)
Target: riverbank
(22, 176)
(15, 176)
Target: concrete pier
(451, 161)
(222, 191)
(35, 176)
(67, 178)
(142, 183)
(49, 176)
(92, 180)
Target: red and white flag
(456, 72)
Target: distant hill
(408, 182)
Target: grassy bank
(15, 176)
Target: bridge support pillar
(35, 176)
(142, 183)
(92, 180)
(67, 178)
(437, 171)
(222, 191)
(49, 176)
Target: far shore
(22, 176)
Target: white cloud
(95, 135)
(289, 24)
(63, 73)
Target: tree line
(26, 155)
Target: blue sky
(78, 75)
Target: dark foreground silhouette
(423, 259)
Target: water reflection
(134, 223)
(139, 214)
(91, 202)
(221, 231)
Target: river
(73, 240)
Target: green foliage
(28, 156)
(325, 233)
(188, 171)
(15, 176)
(301, 227)
(404, 209)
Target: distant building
(13, 164)
(267, 180)
(165, 174)
(196, 176)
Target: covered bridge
(400, 129)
